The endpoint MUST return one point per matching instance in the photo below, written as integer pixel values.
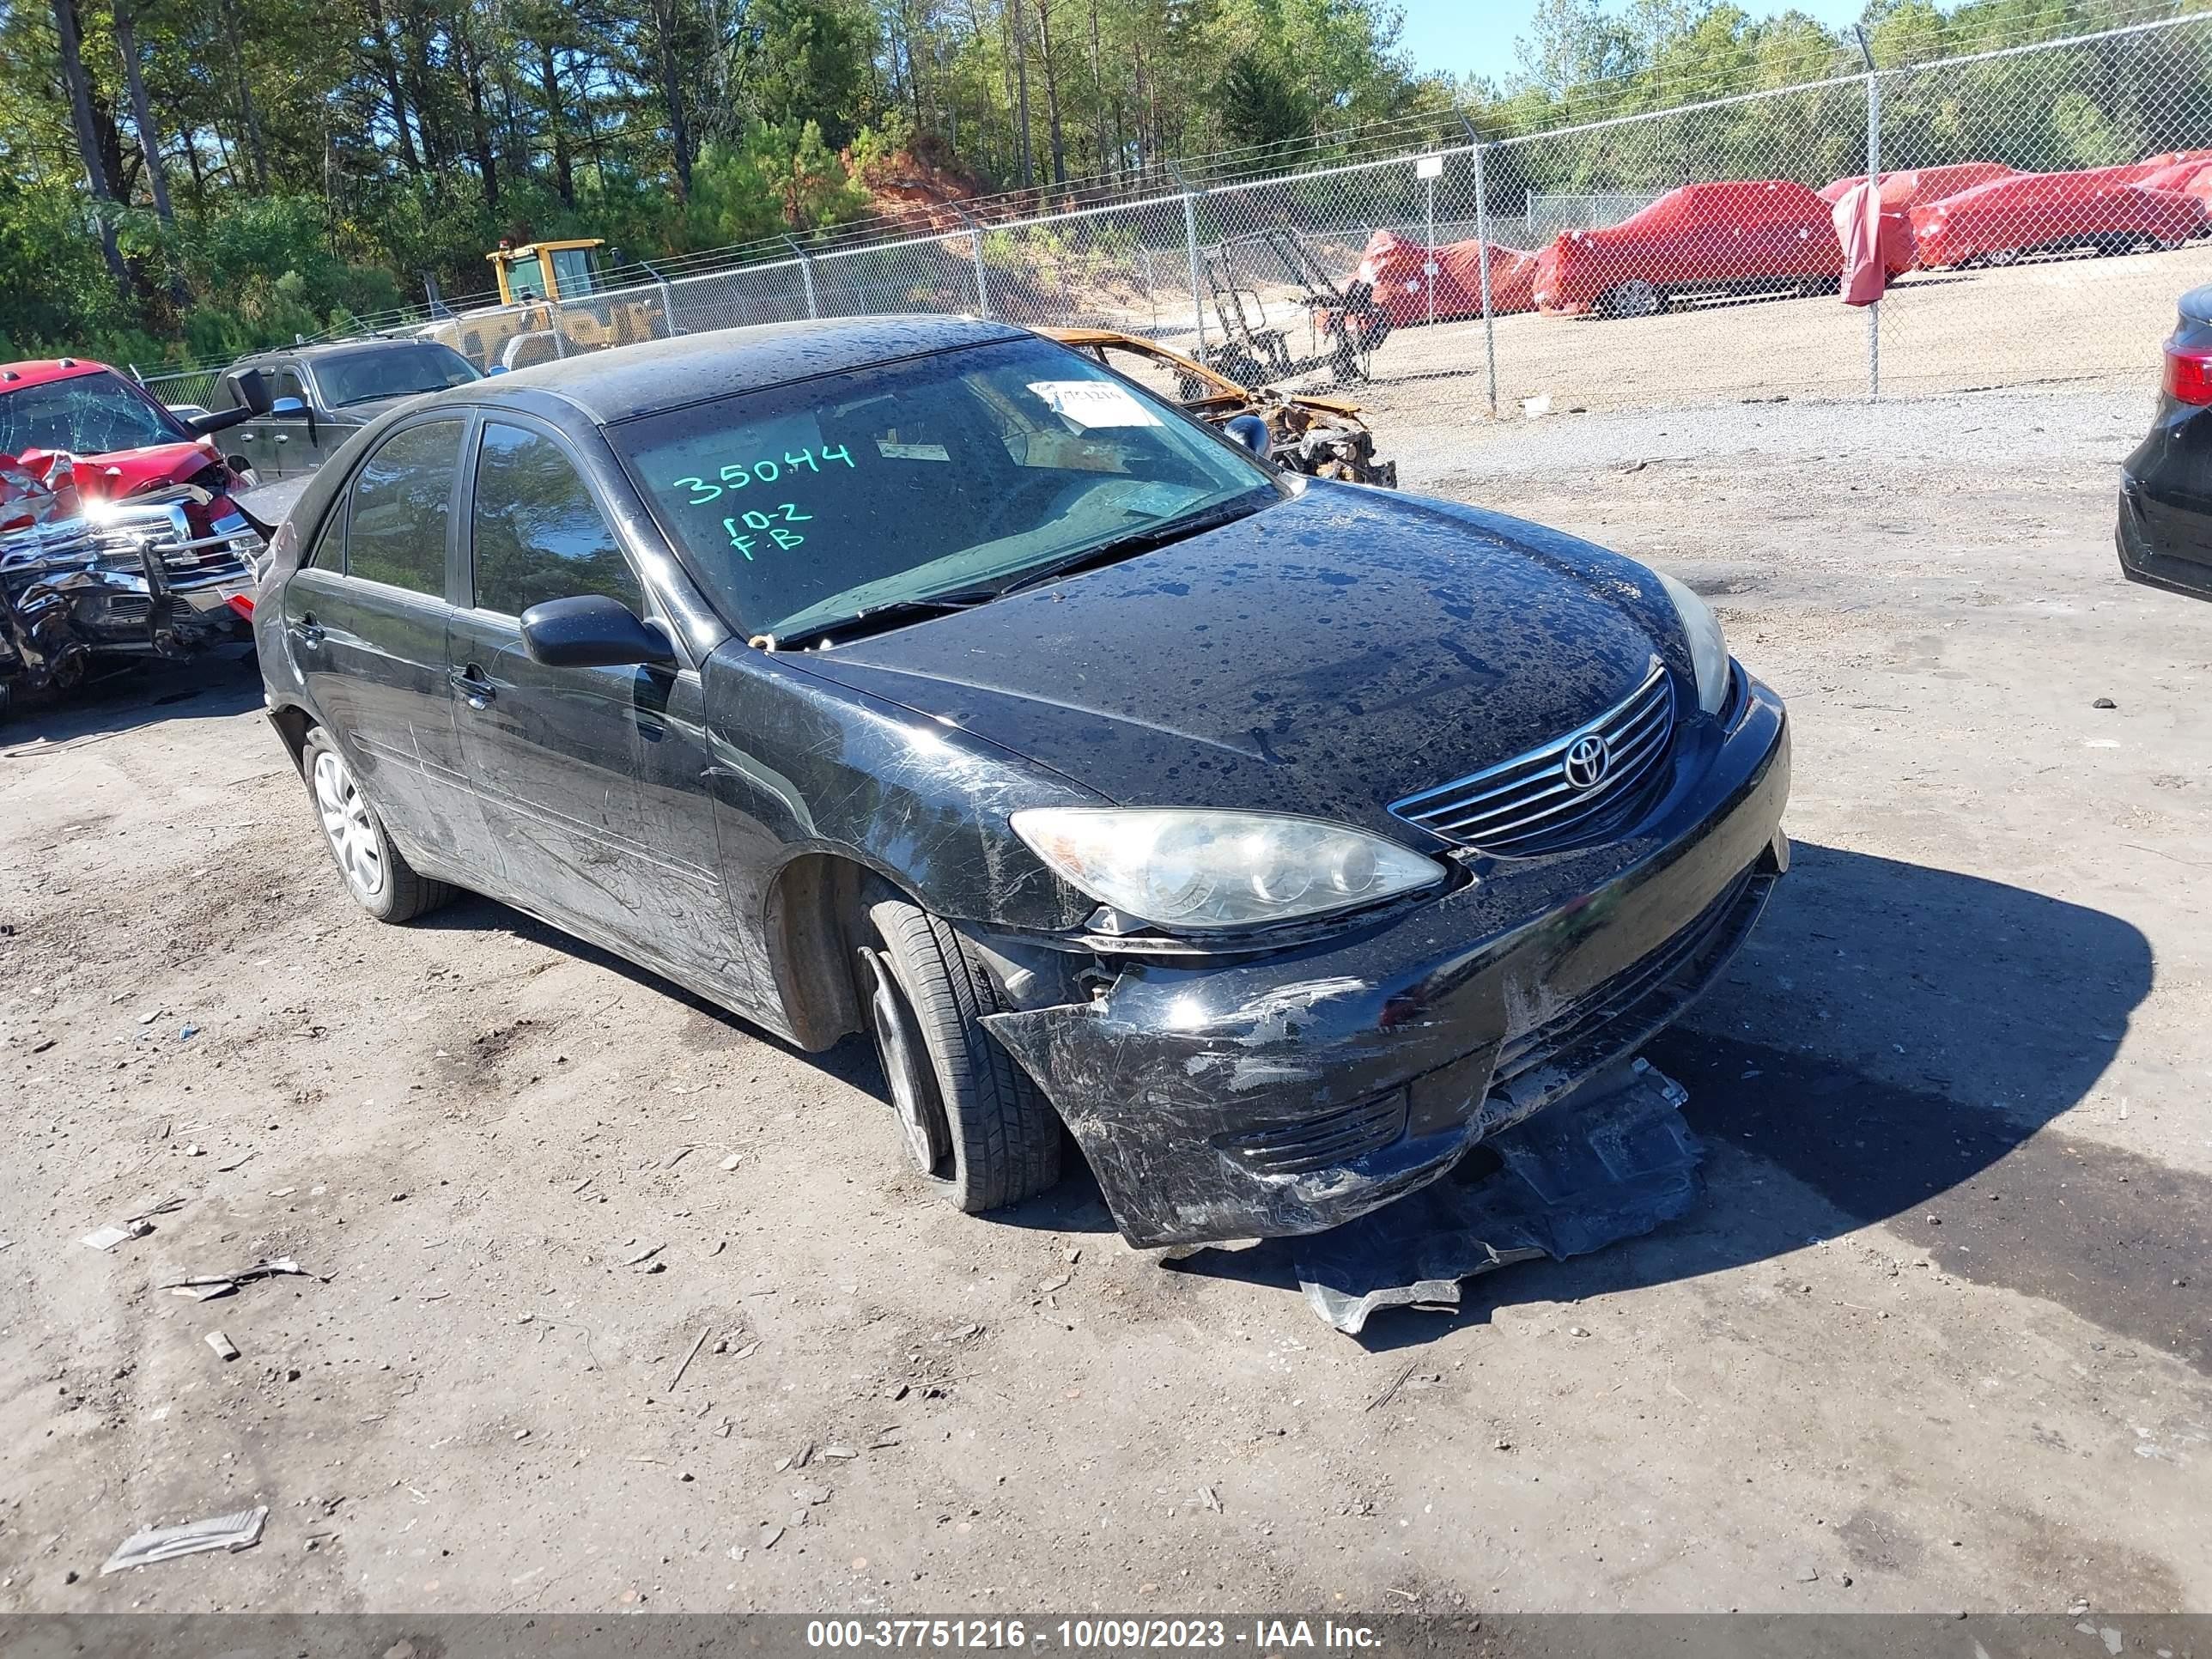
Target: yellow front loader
(549, 305)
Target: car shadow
(1073, 1205)
(852, 1060)
(129, 694)
(2014, 1004)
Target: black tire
(376, 873)
(1633, 298)
(1242, 366)
(976, 1124)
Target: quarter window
(538, 534)
(402, 499)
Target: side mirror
(221, 421)
(592, 631)
(496, 368)
(287, 406)
(1250, 431)
(252, 390)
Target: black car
(1279, 837)
(2166, 486)
(338, 389)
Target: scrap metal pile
(1322, 437)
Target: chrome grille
(41, 546)
(1531, 805)
(187, 562)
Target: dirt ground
(1935, 1337)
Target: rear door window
(400, 503)
(538, 534)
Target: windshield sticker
(891, 452)
(1093, 404)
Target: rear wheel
(377, 873)
(1634, 298)
(974, 1123)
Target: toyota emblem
(1587, 761)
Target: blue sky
(1475, 37)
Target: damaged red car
(1706, 241)
(160, 560)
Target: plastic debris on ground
(241, 1531)
(107, 1238)
(1612, 1161)
(207, 1286)
(131, 1226)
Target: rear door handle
(474, 685)
(307, 631)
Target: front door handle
(474, 685)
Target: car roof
(656, 374)
(322, 349)
(39, 371)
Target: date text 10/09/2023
(1262, 1636)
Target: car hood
(1326, 656)
(128, 471)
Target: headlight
(1187, 869)
(1708, 650)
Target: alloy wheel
(906, 1067)
(346, 822)
(1635, 298)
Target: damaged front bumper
(1293, 1092)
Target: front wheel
(974, 1123)
(1635, 298)
(377, 873)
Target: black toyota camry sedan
(1279, 839)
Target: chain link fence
(2042, 208)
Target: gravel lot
(1935, 1338)
(2072, 322)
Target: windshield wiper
(1137, 541)
(894, 613)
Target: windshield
(85, 414)
(396, 371)
(810, 504)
